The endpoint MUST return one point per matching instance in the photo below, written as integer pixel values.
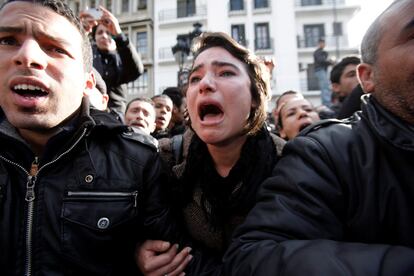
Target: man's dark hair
(339, 68)
(175, 95)
(160, 96)
(139, 99)
(62, 9)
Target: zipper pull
(135, 195)
(31, 181)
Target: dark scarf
(225, 197)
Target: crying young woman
(218, 164)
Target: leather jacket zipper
(30, 196)
(133, 194)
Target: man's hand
(110, 21)
(160, 258)
(87, 20)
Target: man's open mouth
(28, 90)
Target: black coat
(341, 202)
(96, 187)
(117, 69)
(351, 104)
(229, 199)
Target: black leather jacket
(341, 202)
(83, 208)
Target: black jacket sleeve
(297, 226)
(132, 66)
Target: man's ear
(90, 83)
(105, 100)
(366, 77)
(335, 87)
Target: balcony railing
(310, 3)
(165, 53)
(331, 41)
(173, 14)
(263, 44)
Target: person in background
(140, 113)
(98, 97)
(352, 103)
(114, 57)
(296, 114)
(341, 200)
(284, 97)
(163, 110)
(178, 118)
(321, 63)
(344, 80)
(78, 189)
(222, 158)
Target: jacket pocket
(94, 225)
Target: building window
(185, 8)
(337, 28)
(140, 86)
(236, 5)
(142, 4)
(311, 2)
(125, 6)
(142, 43)
(261, 4)
(108, 5)
(312, 81)
(313, 33)
(238, 33)
(262, 39)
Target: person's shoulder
(331, 125)
(137, 136)
(278, 142)
(330, 132)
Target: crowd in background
(117, 61)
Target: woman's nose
(207, 83)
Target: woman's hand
(160, 258)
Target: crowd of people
(195, 181)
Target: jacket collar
(88, 118)
(388, 126)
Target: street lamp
(181, 51)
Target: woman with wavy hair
(219, 162)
